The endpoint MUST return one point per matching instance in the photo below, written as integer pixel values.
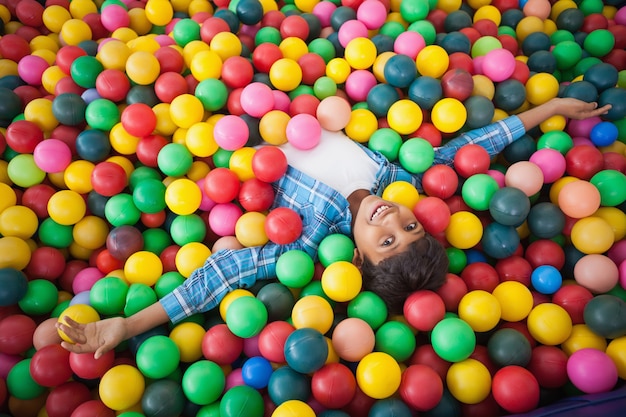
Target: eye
(410, 227)
(387, 241)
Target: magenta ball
(498, 64)
(409, 43)
(620, 16)
(498, 176)
(85, 278)
(31, 68)
(622, 274)
(372, 13)
(351, 29)
(234, 379)
(206, 204)
(304, 131)
(281, 101)
(592, 371)
(52, 155)
(359, 83)
(223, 217)
(582, 127)
(617, 252)
(114, 17)
(231, 132)
(551, 162)
(257, 99)
(324, 10)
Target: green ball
(69, 109)
(210, 410)
(386, 141)
(414, 10)
(268, 34)
(167, 282)
(149, 196)
(506, 30)
(185, 31)
(41, 297)
(557, 140)
(60, 308)
(24, 172)
(567, 54)
(323, 47)
(612, 187)
(142, 173)
(561, 35)
(108, 295)
(369, 307)
(301, 90)
(424, 28)
(453, 339)
(396, 339)
(295, 268)
(591, 6)
(584, 64)
(21, 384)
(599, 42)
(335, 247)
(315, 288)
(156, 240)
(221, 158)
(392, 29)
(174, 159)
(188, 228)
(157, 357)
(56, 235)
(477, 191)
(457, 260)
(246, 316)
(278, 300)
(416, 155)
(102, 114)
(242, 400)
(139, 296)
(485, 44)
(212, 93)
(324, 87)
(194, 382)
(120, 210)
(85, 70)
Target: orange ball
(352, 339)
(579, 199)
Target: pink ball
(580, 141)
(596, 272)
(231, 132)
(582, 127)
(551, 162)
(233, 379)
(372, 13)
(323, 10)
(498, 64)
(7, 362)
(526, 176)
(52, 155)
(617, 252)
(223, 217)
(114, 17)
(281, 101)
(256, 99)
(620, 16)
(592, 371)
(85, 278)
(409, 43)
(350, 30)
(359, 83)
(478, 64)
(30, 69)
(206, 203)
(333, 113)
(622, 274)
(498, 176)
(304, 131)
(251, 346)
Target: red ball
(461, 61)
(521, 72)
(440, 181)
(23, 136)
(515, 389)
(549, 366)
(425, 355)
(14, 47)
(50, 366)
(545, 252)
(237, 71)
(583, 161)
(265, 55)
(148, 149)
(472, 34)
(86, 366)
(93, 408)
(222, 185)
(509, 43)
(471, 159)
(220, 345)
(67, 85)
(170, 60)
(294, 26)
(138, 119)
(153, 219)
(487, 407)
(170, 85)
(67, 134)
(514, 268)
(233, 102)
(452, 291)
(433, 213)
(481, 354)
(98, 31)
(123, 241)
(313, 67)
(45, 263)
(30, 13)
(480, 276)
(304, 104)
(457, 83)
(256, 195)
(16, 334)
(421, 387)
(423, 309)
(269, 164)
(108, 178)
(504, 5)
(65, 398)
(438, 18)
(113, 84)
(486, 27)
(333, 385)
(594, 21)
(429, 132)
(72, 268)
(283, 225)
(211, 27)
(614, 160)
(272, 340)
(573, 298)
(108, 263)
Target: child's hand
(577, 109)
(99, 337)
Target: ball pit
(129, 133)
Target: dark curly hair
(423, 266)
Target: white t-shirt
(337, 161)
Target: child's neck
(354, 201)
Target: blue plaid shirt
(323, 210)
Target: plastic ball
(508, 347)
(507, 393)
(526, 176)
(480, 309)
(615, 97)
(592, 371)
(515, 300)
(333, 385)
(352, 339)
(378, 375)
(546, 279)
(306, 350)
(549, 324)
(283, 225)
(592, 235)
(464, 231)
(294, 268)
(610, 184)
(579, 199)
(432, 61)
(424, 309)
(453, 339)
(498, 64)
(509, 206)
(458, 380)
(168, 354)
(602, 268)
(312, 311)
(246, 316)
(121, 387)
(449, 115)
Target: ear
(357, 259)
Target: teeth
(378, 211)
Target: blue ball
(256, 372)
(286, 384)
(546, 279)
(400, 71)
(500, 241)
(306, 350)
(425, 91)
(13, 286)
(603, 134)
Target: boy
(334, 187)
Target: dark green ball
(536, 41)
(509, 347)
(616, 97)
(606, 316)
(480, 111)
(602, 76)
(546, 220)
(582, 90)
(69, 109)
(509, 95)
(570, 19)
(278, 301)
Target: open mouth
(379, 210)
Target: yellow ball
(561, 5)
(528, 25)
(306, 6)
(18, 221)
(121, 387)
(432, 61)
(54, 16)
(549, 324)
(80, 313)
(186, 110)
(14, 253)
(159, 12)
(469, 381)
(541, 87)
(113, 54)
(341, 281)
(379, 65)
(206, 64)
(617, 352)
(285, 74)
(50, 77)
(293, 47)
(404, 116)
(583, 337)
(165, 125)
(90, 232)
(143, 267)
(250, 229)
(449, 6)
(483, 86)
(338, 70)
(81, 8)
(74, 31)
(190, 257)
(273, 127)
(592, 235)
(240, 163)
(464, 230)
(39, 111)
(480, 309)
(230, 297)
(143, 68)
(362, 124)
(312, 311)
(200, 141)
(515, 300)
(8, 197)
(616, 218)
(122, 141)
(378, 375)
(448, 115)
(556, 122)
(293, 408)
(360, 53)
(226, 45)
(188, 337)
(66, 207)
(402, 192)
(183, 196)
(139, 21)
(77, 176)
(488, 12)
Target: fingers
(75, 348)
(73, 333)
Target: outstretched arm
(570, 108)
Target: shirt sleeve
(493, 137)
